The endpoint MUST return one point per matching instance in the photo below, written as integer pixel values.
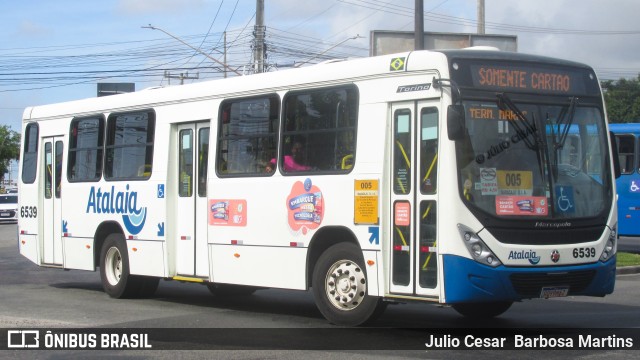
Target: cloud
(141, 7)
(28, 28)
(608, 51)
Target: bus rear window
(30, 154)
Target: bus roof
(469, 53)
(625, 128)
(323, 74)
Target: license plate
(5, 214)
(552, 292)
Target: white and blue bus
(628, 185)
(429, 176)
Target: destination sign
(527, 79)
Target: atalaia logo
(118, 202)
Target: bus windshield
(531, 160)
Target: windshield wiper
(505, 103)
(558, 144)
(569, 111)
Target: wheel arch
(104, 229)
(324, 239)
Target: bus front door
(190, 213)
(51, 209)
(413, 229)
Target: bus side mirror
(455, 122)
(615, 155)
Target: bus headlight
(610, 247)
(479, 251)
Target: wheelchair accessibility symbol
(634, 187)
(564, 199)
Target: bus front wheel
(340, 287)
(482, 310)
(114, 269)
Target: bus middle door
(413, 230)
(52, 206)
(191, 212)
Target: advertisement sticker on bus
(521, 205)
(305, 206)
(402, 213)
(228, 212)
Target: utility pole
(419, 25)
(182, 77)
(480, 17)
(258, 43)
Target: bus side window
(319, 131)
(130, 139)
(626, 153)
(248, 135)
(86, 140)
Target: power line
(396, 9)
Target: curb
(625, 270)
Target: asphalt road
(629, 244)
(261, 324)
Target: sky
(54, 51)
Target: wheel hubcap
(113, 266)
(345, 285)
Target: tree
(622, 98)
(9, 147)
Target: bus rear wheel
(340, 287)
(482, 310)
(114, 269)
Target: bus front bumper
(469, 281)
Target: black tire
(339, 287)
(482, 310)
(230, 290)
(114, 269)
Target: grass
(628, 259)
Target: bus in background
(628, 185)
(449, 177)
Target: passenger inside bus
(294, 161)
(270, 167)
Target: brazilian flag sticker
(397, 64)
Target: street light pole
(418, 39)
(198, 50)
